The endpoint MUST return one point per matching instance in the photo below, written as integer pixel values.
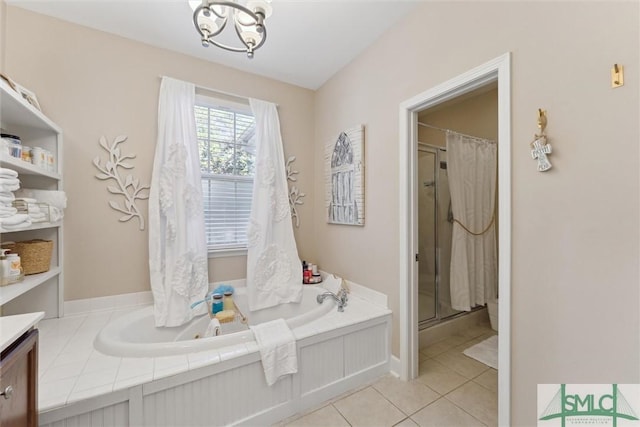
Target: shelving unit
(44, 291)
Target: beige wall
(3, 33)
(92, 83)
(575, 231)
(477, 116)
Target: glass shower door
(445, 232)
(427, 296)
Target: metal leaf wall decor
(295, 196)
(129, 187)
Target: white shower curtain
(471, 171)
(274, 270)
(177, 245)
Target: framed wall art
(344, 177)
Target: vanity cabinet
(44, 291)
(18, 382)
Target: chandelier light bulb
(243, 18)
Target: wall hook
(542, 120)
(617, 76)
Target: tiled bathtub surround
(71, 370)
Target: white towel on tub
(277, 349)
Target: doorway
(493, 72)
(444, 282)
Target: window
(226, 141)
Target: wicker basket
(35, 255)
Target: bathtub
(220, 381)
(135, 334)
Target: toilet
(492, 307)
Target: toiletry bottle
(15, 270)
(227, 301)
(217, 304)
(304, 271)
(315, 275)
(4, 267)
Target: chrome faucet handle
(344, 296)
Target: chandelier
(210, 18)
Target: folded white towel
(9, 186)
(33, 207)
(5, 180)
(6, 197)
(38, 217)
(14, 220)
(277, 349)
(52, 197)
(55, 214)
(8, 173)
(213, 329)
(6, 212)
(21, 226)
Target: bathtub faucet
(341, 298)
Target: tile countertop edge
(12, 327)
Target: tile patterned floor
(451, 390)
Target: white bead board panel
(321, 364)
(110, 416)
(366, 348)
(216, 400)
(123, 403)
(235, 391)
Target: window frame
(237, 107)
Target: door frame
(498, 69)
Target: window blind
(226, 141)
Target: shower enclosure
(435, 225)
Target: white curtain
(177, 245)
(274, 270)
(471, 171)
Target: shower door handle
(417, 258)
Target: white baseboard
(87, 305)
(394, 368)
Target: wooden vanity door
(18, 383)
